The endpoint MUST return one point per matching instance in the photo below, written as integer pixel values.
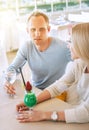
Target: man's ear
(49, 28)
(27, 30)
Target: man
(47, 56)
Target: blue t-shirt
(47, 66)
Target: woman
(75, 81)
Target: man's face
(38, 30)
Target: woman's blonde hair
(80, 39)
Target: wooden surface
(8, 114)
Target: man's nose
(37, 32)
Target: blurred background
(14, 13)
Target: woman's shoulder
(79, 65)
(79, 62)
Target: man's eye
(32, 30)
(42, 29)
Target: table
(8, 113)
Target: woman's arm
(50, 92)
(35, 116)
(44, 95)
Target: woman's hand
(31, 116)
(21, 107)
(35, 116)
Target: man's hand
(21, 107)
(9, 88)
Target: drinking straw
(22, 76)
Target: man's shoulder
(59, 41)
(26, 44)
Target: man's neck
(45, 45)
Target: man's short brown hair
(38, 13)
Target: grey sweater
(47, 66)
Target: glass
(10, 77)
(30, 100)
(30, 97)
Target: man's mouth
(37, 39)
